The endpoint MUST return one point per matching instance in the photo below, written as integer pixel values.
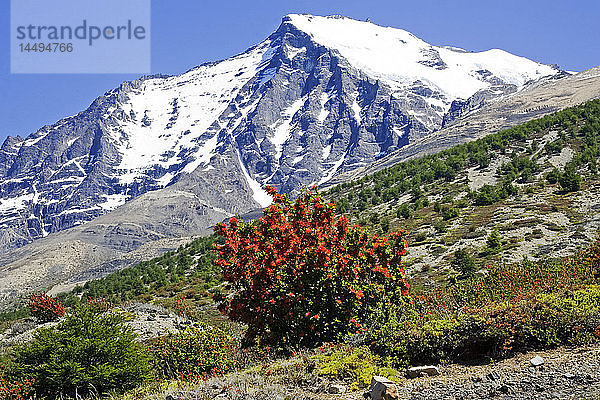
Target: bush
(570, 181)
(404, 211)
(85, 353)
(554, 147)
(14, 389)
(302, 276)
(449, 213)
(356, 363)
(440, 227)
(463, 262)
(516, 307)
(553, 176)
(45, 308)
(490, 194)
(486, 195)
(494, 242)
(193, 353)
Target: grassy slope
(456, 198)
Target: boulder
(427, 370)
(536, 361)
(382, 389)
(336, 389)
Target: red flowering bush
(98, 304)
(303, 276)
(184, 308)
(586, 263)
(14, 390)
(515, 307)
(45, 308)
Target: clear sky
(186, 33)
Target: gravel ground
(565, 374)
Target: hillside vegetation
(528, 191)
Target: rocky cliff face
(321, 96)
(535, 101)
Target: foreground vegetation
(510, 308)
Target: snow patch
(331, 172)
(112, 201)
(324, 112)
(326, 151)
(32, 141)
(15, 203)
(173, 114)
(79, 210)
(297, 159)
(283, 129)
(258, 193)
(292, 52)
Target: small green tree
(553, 176)
(570, 180)
(87, 352)
(449, 213)
(404, 211)
(494, 242)
(385, 225)
(463, 262)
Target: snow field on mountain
(395, 56)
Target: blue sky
(186, 33)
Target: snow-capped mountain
(320, 96)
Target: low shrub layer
(194, 353)
(531, 305)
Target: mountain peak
(329, 24)
(321, 96)
(400, 58)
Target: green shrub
(494, 242)
(449, 213)
(440, 227)
(463, 262)
(570, 180)
(195, 352)
(356, 363)
(16, 314)
(553, 176)
(404, 211)
(486, 195)
(490, 194)
(554, 147)
(85, 353)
